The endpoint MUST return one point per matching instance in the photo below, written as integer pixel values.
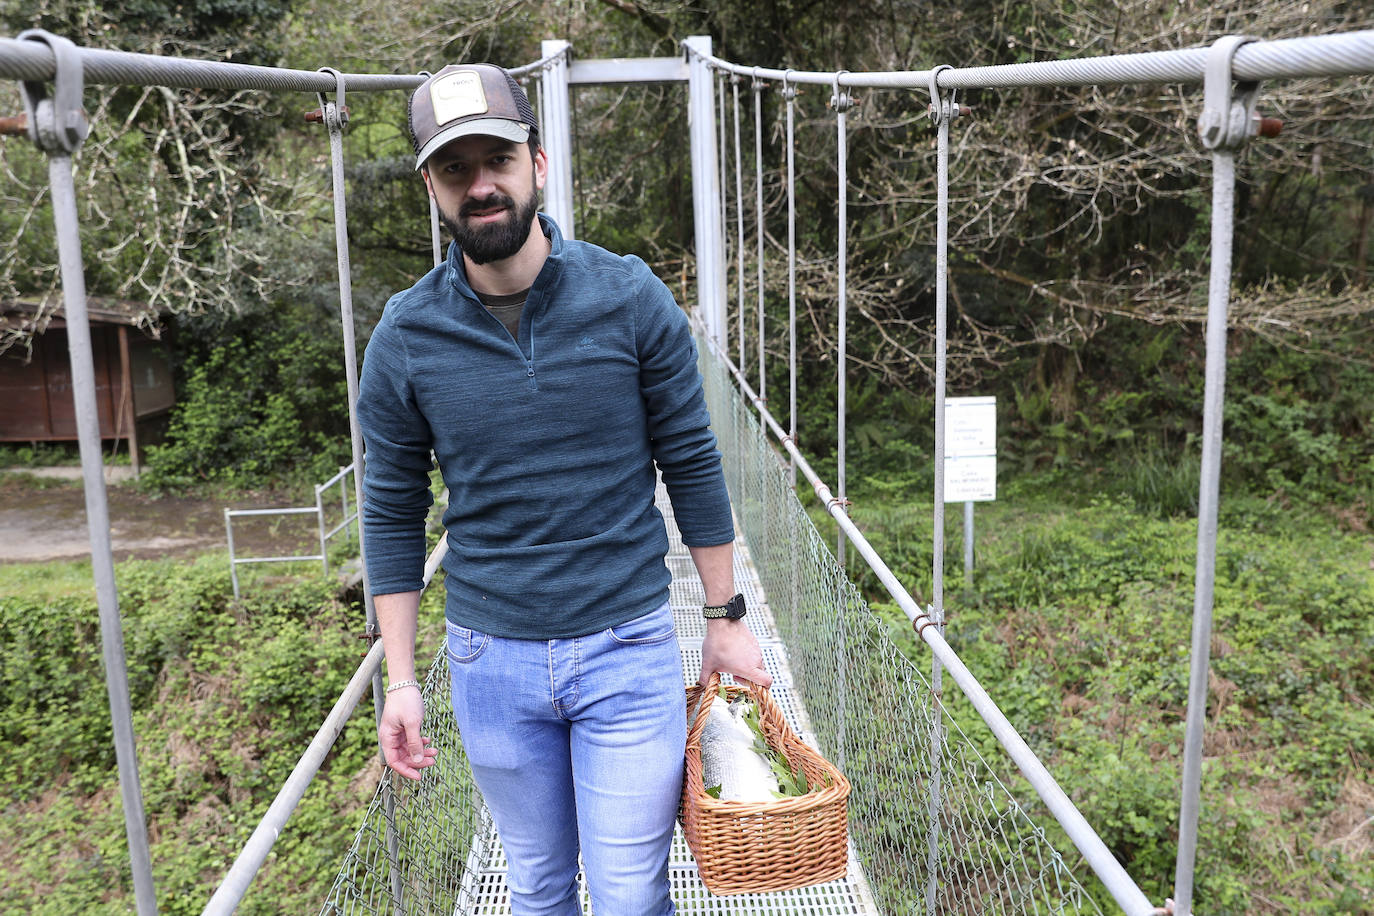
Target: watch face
(734, 608)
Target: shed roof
(34, 315)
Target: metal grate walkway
(484, 884)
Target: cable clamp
(1228, 115)
(943, 108)
(789, 91)
(334, 114)
(56, 123)
(371, 633)
(841, 101)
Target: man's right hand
(407, 751)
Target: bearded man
(549, 378)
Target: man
(549, 378)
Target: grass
(46, 583)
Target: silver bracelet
(399, 684)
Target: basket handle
(708, 692)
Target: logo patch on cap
(457, 95)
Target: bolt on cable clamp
(14, 125)
(56, 123)
(1228, 116)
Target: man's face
(487, 193)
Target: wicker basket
(755, 847)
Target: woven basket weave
(757, 847)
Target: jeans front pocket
(463, 645)
(647, 630)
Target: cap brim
(506, 129)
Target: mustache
(470, 207)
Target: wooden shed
(133, 376)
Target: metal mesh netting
(429, 848)
(872, 713)
(418, 849)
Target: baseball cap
(465, 99)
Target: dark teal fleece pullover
(547, 444)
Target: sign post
(970, 460)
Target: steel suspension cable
(1225, 124)
(26, 60)
(29, 60)
(789, 94)
(334, 117)
(724, 210)
(941, 108)
(841, 102)
(757, 86)
(1340, 54)
(739, 225)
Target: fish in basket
(761, 810)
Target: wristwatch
(730, 610)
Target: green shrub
(265, 399)
(226, 694)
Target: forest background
(1079, 232)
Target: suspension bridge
(934, 826)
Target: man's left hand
(730, 648)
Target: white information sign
(970, 449)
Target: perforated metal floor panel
(845, 897)
(485, 878)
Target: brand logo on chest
(587, 344)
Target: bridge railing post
(555, 116)
(707, 223)
(58, 126)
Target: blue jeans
(577, 743)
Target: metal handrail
(245, 868)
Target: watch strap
(731, 610)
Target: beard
(497, 241)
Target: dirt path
(44, 518)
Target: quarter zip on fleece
(529, 363)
